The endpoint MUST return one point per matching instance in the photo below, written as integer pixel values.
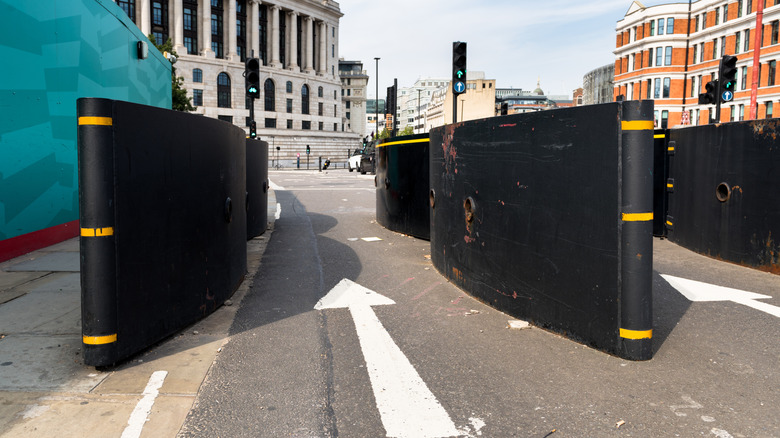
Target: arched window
(223, 90)
(305, 99)
(197, 75)
(319, 92)
(270, 95)
(289, 86)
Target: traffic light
(727, 75)
(308, 150)
(252, 129)
(252, 75)
(710, 96)
(458, 67)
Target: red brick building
(669, 52)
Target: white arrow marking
(698, 291)
(406, 405)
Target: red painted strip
(21, 245)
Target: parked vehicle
(354, 161)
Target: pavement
(45, 388)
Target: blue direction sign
(727, 96)
(459, 87)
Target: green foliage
(409, 130)
(384, 134)
(179, 99)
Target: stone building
(296, 42)
(597, 85)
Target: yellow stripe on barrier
(97, 232)
(669, 223)
(637, 125)
(636, 334)
(418, 140)
(670, 149)
(659, 136)
(102, 121)
(637, 217)
(98, 340)
(669, 186)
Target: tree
(179, 99)
(384, 134)
(409, 130)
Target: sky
(515, 42)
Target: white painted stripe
(278, 211)
(141, 412)
(700, 291)
(274, 186)
(371, 239)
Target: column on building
(145, 15)
(231, 29)
(308, 31)
(205, 28)
(274, 49)
(292, 47)
(254, 28)
(178, 26)
(323, 61)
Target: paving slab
(49, 262)
(43, 313)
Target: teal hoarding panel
(54, 52)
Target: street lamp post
(418, 110)
(376, 106)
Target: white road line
(406, 405)
(274, 186)
(699, 291)
(278, 211)
(141, 412)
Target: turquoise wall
(54, 52)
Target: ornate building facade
(296, 42)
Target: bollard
(320, 166)
(636, 246)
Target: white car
(354, 160)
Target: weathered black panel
(402, 185)
(528, 216)
(660, 176)
(179, 234)
(256, 187)
(742, 160)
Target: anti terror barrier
(256, 187)
(163, 223)
(402, 184)
(725, 191)
(548, 216)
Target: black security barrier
(661, 183)
(548, 216)
(726, 192)
(256, 187)
(163, 223)
(402, 185)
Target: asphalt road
(292, 371)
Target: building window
(668, 56)
(670, 26)
(217, 28)
(772, 65)
(664, 119)
(732, 110)
(725, 12)
(659, 53)
(305, 99)
(717, 16)
(289, 124)
(769, 110)
(695, 52)
(197, 97)
(650, 57)
(693, 86)
(749, 8)
(321, 125)
(657, 93)
(160, 21)
(775, 26)
(703, 21)
(741, 113)
(289, 87)
(263, 34)
(747, 40)
(197, 75)
(660, 26)
(241, 36)
(736, 42)
(696, 26)
(739, 8)
(270, 96)
(305, 124)
(270, 123)
(223, 90)
(319, 108)
(744, 78)
(129, 7)
(714, 48)
(667, 85)
(722, 46)
(319, 92)
(228, 119)
(652, 28)
(335, 127)
(649, 86)
(701, 52)
(289, 106)
(191, 26)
